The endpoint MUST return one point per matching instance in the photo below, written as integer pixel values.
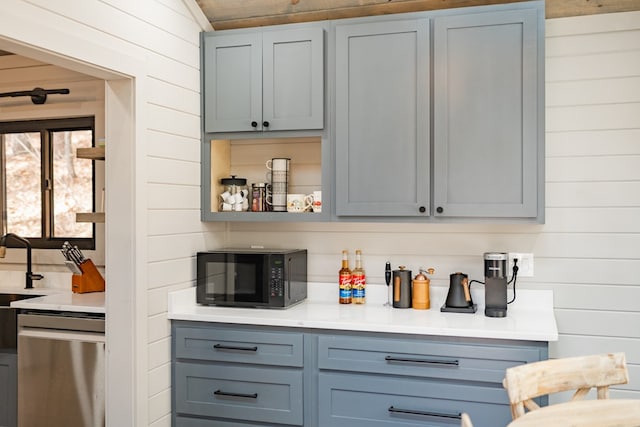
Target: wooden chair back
(526, 382)
(466, 420)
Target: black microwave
(262, 278)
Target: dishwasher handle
(61, 335)
(61, 322)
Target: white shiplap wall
(593, 185)
(588, 251)
(154, 44)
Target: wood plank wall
(162, 37)
(225, 14)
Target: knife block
(89, 281)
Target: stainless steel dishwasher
(61, 359)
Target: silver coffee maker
(495, 284)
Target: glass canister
(235, 195)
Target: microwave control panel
(277, 282)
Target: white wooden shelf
(93, 153)
(90, 216)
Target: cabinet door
(293, 79)
(382, 118)
(232, 66)
(8, 389)
(488, 128)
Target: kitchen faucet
(30, 277)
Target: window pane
(72, 183)
(23, 183)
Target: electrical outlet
(525, 263)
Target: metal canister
(259, 197)
(402, 288)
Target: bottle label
(358, 280)
(345, 293)
(345, 281)
(345, 286)
(358, 286)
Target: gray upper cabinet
(382, 118)
(265, 80)
(488, 118)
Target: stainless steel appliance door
(60, 378)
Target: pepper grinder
(420, 293)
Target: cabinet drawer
(239, 392)
(207, 422)
(422, 358)
(357, 400)
(239, 346)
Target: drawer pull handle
(231, 347)
(245, 395)
(426, 413)
(425, 361)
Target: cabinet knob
(265, 124)
(422, 209)
(439, 209)
(254, 124)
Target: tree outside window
(44, 183)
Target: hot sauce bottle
(344, 280)
(358, 280)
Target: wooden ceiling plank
(566, 8)
(317, 10)
(225, 14)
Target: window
(43, 183)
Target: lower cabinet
(239, 392)
(8, 389)
(352, 401)
(226, 375)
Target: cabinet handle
(225, 393)
(254, 124)
(422, 209)
(439, 209)
(457, 415)
(265, 124)
(231, 347)
(425, 361)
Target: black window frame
(46, 127)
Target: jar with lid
(235, 195)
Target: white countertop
(58, 299)
(529, 318)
